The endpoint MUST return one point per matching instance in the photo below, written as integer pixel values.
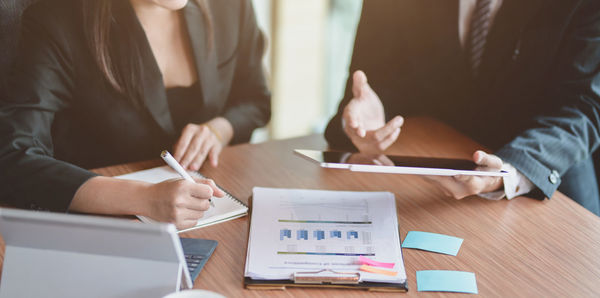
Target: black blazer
(62, 116)
(537, 98)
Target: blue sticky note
(446, 281)
(432, 242)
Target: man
(521, 77)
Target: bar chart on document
(293, 230)
(340, 227)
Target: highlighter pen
(168, 158)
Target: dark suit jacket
(536, 101)
(61, 115)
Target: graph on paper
(339, 227)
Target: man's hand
(364, 119)
(462, 186)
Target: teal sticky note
(446, 281)
(432, 242)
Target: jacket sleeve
(40, 87)
(249, 103)
(571, 133)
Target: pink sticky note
(366, 261)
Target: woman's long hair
(109, 31)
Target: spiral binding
(227, 194)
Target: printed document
(298, 231)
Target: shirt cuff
(515, 184)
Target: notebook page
(225, 209)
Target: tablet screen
(352, 160)
(389, 160)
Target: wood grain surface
(523, 247)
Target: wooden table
(522, 247)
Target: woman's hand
(179, 201)
(462, 186)
(201, 141)
(364, 119)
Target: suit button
(554, 177)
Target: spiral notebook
(226, 208)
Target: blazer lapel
(204, 56)
(154, 96)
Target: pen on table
(170, 160)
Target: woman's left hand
(201, 141)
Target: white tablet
(394, 164)
(64, 255)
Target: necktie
(478, 32)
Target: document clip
(327, 276)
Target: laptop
(63, 255)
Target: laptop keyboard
(193, 263)
(196, 253)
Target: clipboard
(312, 279)
(324, 278)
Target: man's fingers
(361, 132)
(454, 188)
(461, 186)
(474, 185)
(353, 132)
(359, 82)
(451, 186)
(487, 160)
(463, 178)
(352, 121)
(351, 115)
(389, 128)
(389, 140)
(383, 160)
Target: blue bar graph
(320, 235)
(352, 234)
(335, 234)
(285, 233)
(302, 234)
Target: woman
(101, 82)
